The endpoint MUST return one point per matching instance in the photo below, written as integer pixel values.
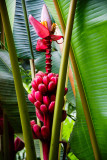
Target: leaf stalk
(61, 84)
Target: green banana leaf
(89, 44)
(8, 97)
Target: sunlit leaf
(89, 43)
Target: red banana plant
(44, 85)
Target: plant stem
(81, 91)
(27, 134)
(63, 108)
(27, 27)
(61, 85)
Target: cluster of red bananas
(43, 96)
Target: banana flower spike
(42, 29)
(45, 17)
(45, 30)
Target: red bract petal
(41, 30)
(55, 37)
(18, 145)
(45, 16)
(41, 45)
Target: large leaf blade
(89, 43)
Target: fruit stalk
(48, 56)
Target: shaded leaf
(8, 95)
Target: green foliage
(89, 44)
(72, 156)
(67, 128)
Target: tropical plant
(84, 128)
